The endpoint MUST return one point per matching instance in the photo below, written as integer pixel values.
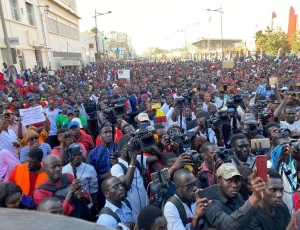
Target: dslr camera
(215, 120)
(196, 157)
(223, 154)
(294, 143)
(176, 137)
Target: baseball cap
(248, 118)
(227, 171)
(30, 98)
(284, 88)
(70, 112)
(73, 123)
(201, 114)
(143, 117)
(78, 121)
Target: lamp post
(221, 12)
(96, 36)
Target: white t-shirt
(5, 74)
(137, 194)
(6, 141)
(52, 118)
(294, 126)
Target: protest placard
(124, 73)
(32, 115)
(227, 64)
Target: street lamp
(96, 36)
(221, 12)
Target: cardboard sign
(32, 115)
(227, 64)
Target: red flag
(274, 15)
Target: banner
(32, 115)
(124, 73)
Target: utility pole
(96, 36)
(10, 61)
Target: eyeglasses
(242, 146)
(117, 186)
(33, 138)
(76, 111)
(282, 134)
(188, 186)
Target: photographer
(249, 127)
(264, 89)
(128, 169)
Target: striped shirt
(44, 147)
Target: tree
(295, 39)
(272, 40)
(94, 30)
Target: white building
(41, 32)
(89, 46)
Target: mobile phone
(210, 193)
(225, 87)
(263, 143)
(261, 166)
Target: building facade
(41, 32)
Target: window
(39, 58)
(14, 10)
(30, 14)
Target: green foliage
(272, 40)
(94, 30)
(295, 39)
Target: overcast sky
(156, 22)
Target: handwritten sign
(227, 64)
(32, 115)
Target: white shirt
(94, 98)
(5, 74)
(175, 96)
(172, 215)
(124, 213)
(6, 141)
(7, 162)
(294, 126)
(287, 197)
(52, 118)
(137, 195)
(88, 177)
(219, 102)
(211, 135)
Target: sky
(160, 23)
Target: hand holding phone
(261, 165)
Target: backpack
(182, 213)
(81, 210)
(138, 166)
(108, 211)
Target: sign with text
(124, 73)
(14, 41)
(32, 115)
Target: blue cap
(73, 123)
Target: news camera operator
(250, 127)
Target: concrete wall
(38, 36)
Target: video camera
(252, 128)
(175, 137)
(114, 109)
(215, 121)
(222, 154)
(294, 143)
(141, 140)
(71, 152)
(234, 101)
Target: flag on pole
(274, 15)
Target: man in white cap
(143, 118)
(229, 210)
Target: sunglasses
(33, 138)
(117, 186)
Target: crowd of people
(139, 153)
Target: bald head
(180, 175)
(50, 159)
(51, 205)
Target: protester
(30, 174)
(117, 209)
(51, 205)
(7, 162)
(151, 218)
